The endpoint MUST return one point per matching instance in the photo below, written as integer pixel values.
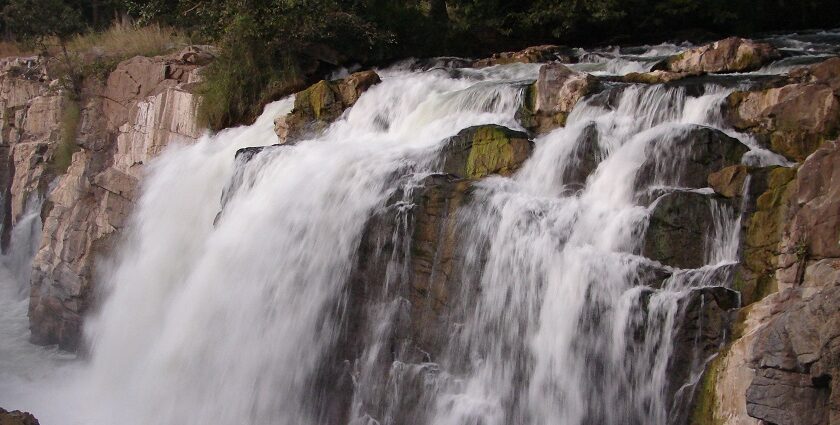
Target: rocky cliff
(115, 127)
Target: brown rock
(657, 77)
(729, 182)
(533, 54)
(732, 54)
(16, 417)
(796, 118)
(552, 97)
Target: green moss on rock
(763, 233)
(480, 151)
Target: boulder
(321, 104)
(552, 97)
(732, 54)
(533, 54)
(16, 417)
(479, 151)
(679, 228)
(729, 182)
(687, 156)
(795, 118)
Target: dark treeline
(270, 47)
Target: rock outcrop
(533, 54)
(145, 105)
(782, 366)
(552, 97)
(321, 104)
(30, 130)
(797, 117)
(16, 417)
(731, 54)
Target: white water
(227, 318)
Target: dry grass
(11, 48)
(123, 40)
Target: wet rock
(771, 190)
(16, 417)
(729, 182)
(486, 149)
(585, 157)
(679, 227)
(685, 158)
(796, 118)
(552, 97)
(533, 54)
(657, 77)
(732, 54)
(321, 104)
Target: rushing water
(231, 294)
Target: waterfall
(278, 284)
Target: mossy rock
(483, 150)
(772, 190)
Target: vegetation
(271, 47)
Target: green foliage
(37, 20)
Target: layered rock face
(30, 127)
(145, 105)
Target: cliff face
(145, 104)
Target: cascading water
(236, 295)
